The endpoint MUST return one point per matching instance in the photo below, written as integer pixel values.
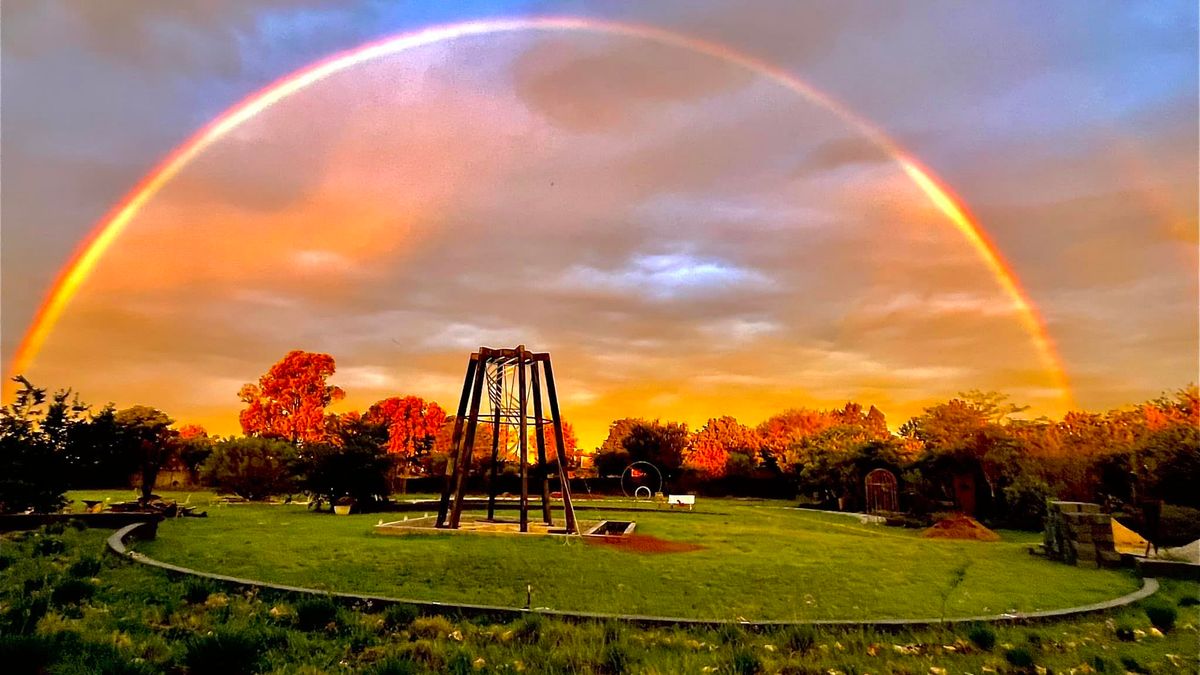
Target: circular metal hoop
(637, 494)
(638, 469)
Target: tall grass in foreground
(64, 609)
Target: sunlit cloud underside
(692, 245)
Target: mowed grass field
(761, 560)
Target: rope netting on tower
(504, 396)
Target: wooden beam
(543, 473)
(523, 440)
(448, 486)
(463, 465)
(564, 462)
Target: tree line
(291, 442)
(1010, 465)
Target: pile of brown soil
(643, 543)
(960, 527)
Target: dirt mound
(644, 543)
(960, 527)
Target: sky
(687, 237)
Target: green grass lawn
(760, 561)
(67, 609)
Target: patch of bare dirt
(644, 543)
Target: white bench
(682, 500)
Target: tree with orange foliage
(790, 427)
(194, 448)
(189, 431)
(570, 442)
(289, 401)
(412, 424)
(434, 462)
(723, 446)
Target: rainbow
(105, 233)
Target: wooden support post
(543, 473)
(495, 468)
(448, 486)
(463, 465)
(521, 362)
(564, 462)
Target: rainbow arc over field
(108, 230)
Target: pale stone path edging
(116, 544)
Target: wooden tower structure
(513, 380)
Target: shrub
(613, 632)
(1186, 601)
(982, 636)
(799, 638)
(196, 591)
(731, 634)
(1100, 664)
(616, 659)
(48, 546)
(395, 666)
(1019, 657)
(35, 583)
(1025, 503)
(431, 627)
(84, 567)
(78, 525)
(1034, 639)
(1162, 616)
(1124, 632)
(399, 616)
(22, 615)
(316, 613)
(224, 652)
(357, 470)
(26, 653)
(745, 662)
(459, 662)
(54, 528)
(6, 561)
(529, 628)
(71, 591)
(251, 467)
(1131, 664)
(97, 657)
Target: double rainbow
(106, 232)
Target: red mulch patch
(960, 527)
(644, 543)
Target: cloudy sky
(687, 237)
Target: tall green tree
(146, 432)
(33, 467)
(98, 455)
(355, 465)
(663, 444)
